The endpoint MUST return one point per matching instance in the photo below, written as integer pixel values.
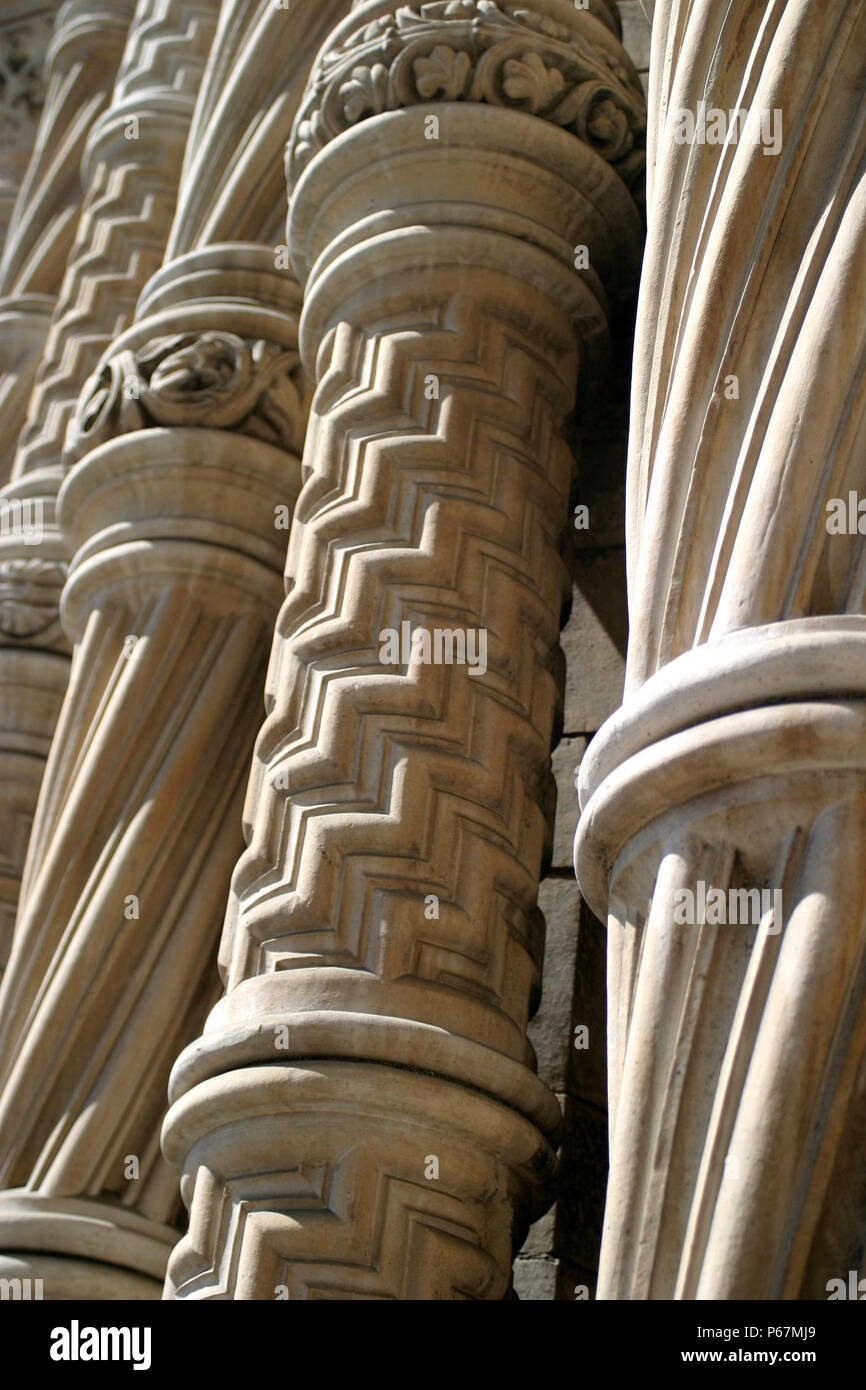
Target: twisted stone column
(82, 57)
(724, 805)
(361, 1117)
(131, 166)
(185, 440)
(233, 186)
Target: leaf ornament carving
(213, 380)
(475, 51)
(29, 595)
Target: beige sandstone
(736, 1052)
(303, 314)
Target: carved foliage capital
(215, 380)
(477, 51)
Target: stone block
(594, 641)
(636, 32)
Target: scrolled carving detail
(214, 380)
(475, 51)
(29, 595)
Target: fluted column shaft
(723, 805)
(361, 1117)
(180, 462)
(81, 61)
(131, 167)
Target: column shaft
(361, 1117)
(723, 805)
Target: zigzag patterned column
(25, 34)
(187, 438)
(130, 171)
(361, 1117)
(81, 63)
(724, 806)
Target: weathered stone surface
(573, 995)
(594, 642)
(564, 764)
(367, 1103)
(636, 32)
(535, 1280)
(436, 493)
(736, 761)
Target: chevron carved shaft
(131, 172)
(84, 49)
(182, 458)
(724, 804)
(383, 918)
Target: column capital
(188, 433)
(545, 58)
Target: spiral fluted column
(180, 459)
(131, 165)
(724, 804)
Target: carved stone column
(80, 66)
(131, 166)
(361, 1117)
(185, 439)
(724, 804)
(233, 186)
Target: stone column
(233, 186)
(131, 167)
(81, 61)
(25, 33)
(361, 1117)
(724, 804)
(181, 460)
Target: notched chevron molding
(385, 908)
(353, 1209)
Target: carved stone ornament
(212, 379)
(29, 591)
(475, 51)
